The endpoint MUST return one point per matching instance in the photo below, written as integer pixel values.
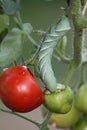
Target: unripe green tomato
(59, 102)
(81, 124)
(65, 120)
(81, 99)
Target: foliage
(53, 47)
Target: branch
(23, 117)
(76, 14)
(62, 57)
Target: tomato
(65, 120)
(59, 102)
(19, 90)
(81, 99)
(81, 124)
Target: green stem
(20, 24)
(81, 77)
(45, 122)
(75, 13)
(23, 117)
(32, 61)
(78, 47)
(41, 126)
(62, 57)
(18, 16)
(32, 40)
(69, 74)
(82, 73)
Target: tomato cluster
(74, 118)
(20, 92)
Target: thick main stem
(75, 13)
(77, 47)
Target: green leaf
(4, 22)
(62, 44)
(10, 7)
(3, 34)
(27, 28)
(11, 47)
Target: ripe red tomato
(19, 90)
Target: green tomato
(65, 120)
(81, 124)
(81, 99)
(59, 102)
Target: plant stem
(19, 22)
(82, 73)
(33, 59)
(69, 74)
(32, 40)
(75, 12)
(23, 117)
(62, 57)
(45, 122)
(79, 22)
(41, 126)
(18, 16)
(78, 47)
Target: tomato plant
(81, 98)
(19, 91)
(59, 58)
(59, 102)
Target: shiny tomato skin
(19, 90)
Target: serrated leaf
(9, 6)
(11, 47)
(4, 22)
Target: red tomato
(19, 90)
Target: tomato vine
(73, 18)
